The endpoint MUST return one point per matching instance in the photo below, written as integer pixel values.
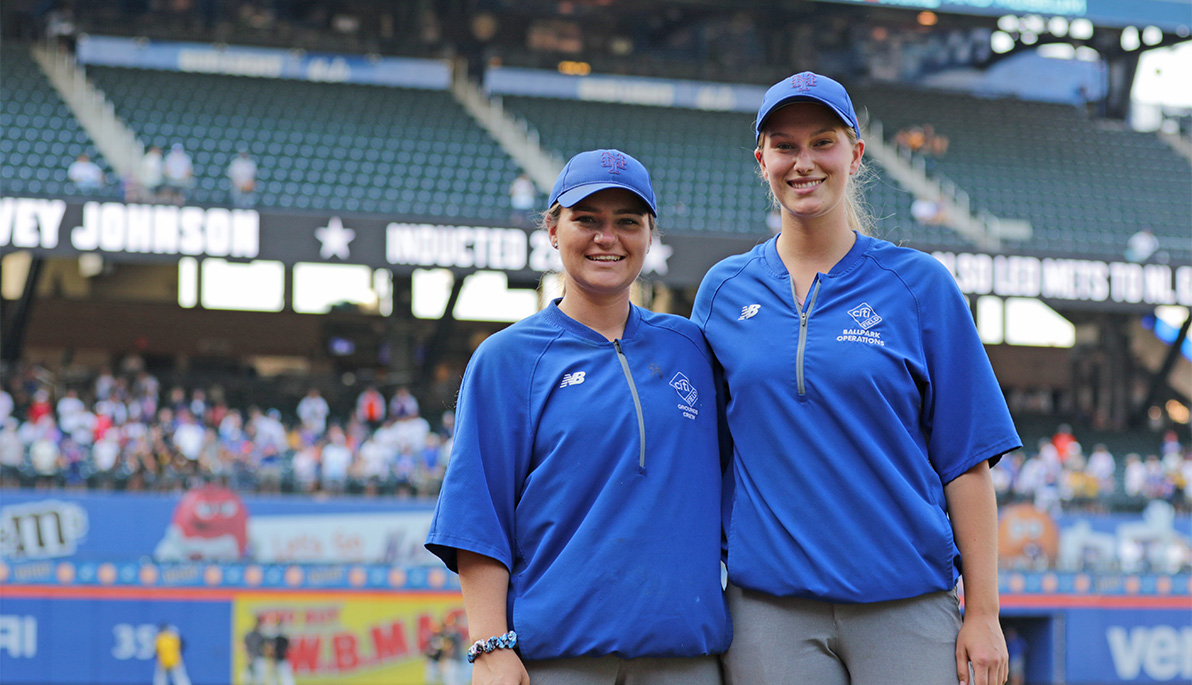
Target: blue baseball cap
(596, 170)
(808, 87)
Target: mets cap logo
(864, 315)
(804, 81)
(613, 161)
(683, 386)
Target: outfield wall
(85, 578)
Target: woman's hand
(981, 644)
(503, 667)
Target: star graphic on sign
(656, 258)
(334, 238)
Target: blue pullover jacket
(590, 469)
(847, 416)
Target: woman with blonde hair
(864, 417)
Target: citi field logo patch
(864, 315)
(572, 378)
(748, 311)
(613, 161)
(686, 390)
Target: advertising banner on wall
(1129, 646)
(382, 638)
(87, 640)
(212, 524)
(133, 232)
(145, 233)
(93, 636)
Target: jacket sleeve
(490, 458)
(965, 416)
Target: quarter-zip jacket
(591, 470)
(847, 417)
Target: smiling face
(807, 156)
(603, 240)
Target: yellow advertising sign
(351, 638)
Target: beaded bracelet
(506, 641)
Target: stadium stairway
(114, 139)
(985, 231)
(39, 134)
(521, 143)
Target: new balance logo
(864, 315)
(748, 311)
(572, 379)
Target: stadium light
(927, 19)
(1086, 54)
(1058, 27)
(1032, 23)
(1057, 51)
(575, 68)
(1152, 35)
(1130, 40)
(1029, 38)
(1008, 23)
(1081, 29)
(1001, 42)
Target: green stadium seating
(321, 146)
(39, 136)
(1085, 186)
(701, 163)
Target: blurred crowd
(124, 432)
(1060, 475)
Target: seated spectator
(152, 175)
(105, 455)
(370, 407)
(178, 173)
(1142, 246)
(6, 405)
(12, 453)
(929, 212)
(335, 460)
(86, 175)
(306, 468)
(313, 412)
(403, 403)
(242, 174)
(1063, 440)
(45, 457)
(1156, 484)
(1102, 467)
(1134, 477)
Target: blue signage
(209, 524)
(98, 641)
(632, 90)
(1137, 646)
(264, 62)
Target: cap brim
(571, 197)
(806, 98)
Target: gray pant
(609, 670)
(790, 641)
